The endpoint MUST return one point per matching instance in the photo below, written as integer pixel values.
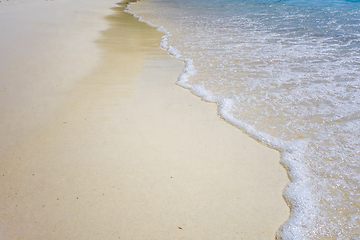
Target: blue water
(287, 73)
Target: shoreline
(125, 153)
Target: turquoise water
(287, 73)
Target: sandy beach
(98, 142)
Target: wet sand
(99, 143)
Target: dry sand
(99, 143)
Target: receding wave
(287, 73)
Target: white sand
(99, 143)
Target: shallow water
(286, 72)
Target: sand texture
(97, 141)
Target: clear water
(288, 73)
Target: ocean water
(287, 72)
